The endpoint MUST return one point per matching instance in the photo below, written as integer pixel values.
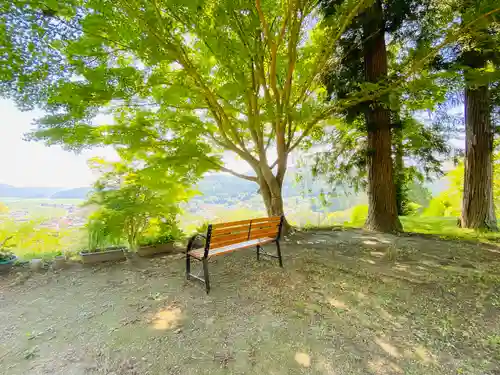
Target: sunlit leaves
(130, 197)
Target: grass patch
(445, 227)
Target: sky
(27, 164)
(30, 164)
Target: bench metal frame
(206, 255)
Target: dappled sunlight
(377, 254)
(375, 244)
(303, 359)
(429, 263)
(166, 318)
(324, 367)
(372, 239)
(361, 295)
(370, 261)
(420, 268)
(388, 348)
(382, 366)
(386, 315)
(401, 267)
(337, 304)
(424, 355)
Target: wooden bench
(227, 237)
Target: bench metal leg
(205, 272)
(266, 254)
(279, 253)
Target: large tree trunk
(273, 200)
(478, 210)
(382, 213)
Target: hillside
(9, 191)
(221, 188)
(77, 193)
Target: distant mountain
(9, 191)
(77, 193)
(220, 187)
(225, 184)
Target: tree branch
(273, 48)
(325, 55)
(222, 168)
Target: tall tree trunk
(399, 168)
(382, 213)
(478, 210)
(273, 198)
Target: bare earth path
(347, 302)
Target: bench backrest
(225, 234)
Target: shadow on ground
(347, 302)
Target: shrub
(359, 215)
(445, 204)
(103, 231)
(413, 209)
(159, 240)
(134, 204)
(5, 255)
(202, 228)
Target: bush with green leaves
(448, 202)
(5, 254)
(359, 215)
(163, 231)
(157, 240)
(134, 204)
(413, 209)
(104, 228)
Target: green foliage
(132, 201)
(105, 229)
(359, 215)
(344, 157)
(202, 229)
(419, 194)
(445, 204)
(159, 240)
(182, 80)
(30, 239)
(161, 231)
(449, 202)
(244, 81)
(413, 209)
(445, 227)
(5, 254)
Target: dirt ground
(347, 302)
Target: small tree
(128, 200)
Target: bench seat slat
(223, 231)
(242, 237)
(198, 253)
(238, 223)
(244, 229)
